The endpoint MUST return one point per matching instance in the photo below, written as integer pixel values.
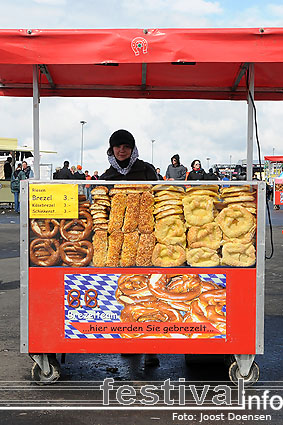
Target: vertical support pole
(36, 123)
(250, 134)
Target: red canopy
(274, 158)
(137, 63)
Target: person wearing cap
(175, 170)
(124, 160)
(197, 172)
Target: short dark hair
(194, 161)
(66, 163)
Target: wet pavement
(82, 373)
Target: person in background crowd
(27, 170)
(8, 168)
(16, 177)
(73, 169)
(159, 176)
(123, 158)
(176, 171)
(87, 186)
(211, 175)
(95, 176)
(79, 175)
(197, 172)
(65, 173)
(56, 172)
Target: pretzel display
(132, 212)
(198, 210)
(145, 249)
(76, 254)
(209, 235)
(44, 252)
(146, 220)
(116, 218)
(133, 289)
(45, 228)
(170, 231)
(235, 221)
(150, 311)
(202, 257)
(77, 229)
(100, 245)
(238, 254)
(168, 255)
(129, 249)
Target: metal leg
(42, 361)
(244, 362)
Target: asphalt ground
(83, 373)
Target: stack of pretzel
(63, 241)
(238, 223)
(169, 226)
(129, 239)
(100, 208)
(171, 298)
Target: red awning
(137, 63)
(274, 158)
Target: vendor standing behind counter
(125, 165)
(123, 158)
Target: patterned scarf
(134, 156)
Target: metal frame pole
(250, 133)
(36, 99)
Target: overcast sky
(194, 129)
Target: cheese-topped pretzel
(76, 254)
(168, 255)
(202, 257)
(238, 254)
(235, 221)
(45, 228)
(44, 252)
(171, 230)
(208, 235)
(77, 229)
(198, 210)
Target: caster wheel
(250, 379)
(40, 378)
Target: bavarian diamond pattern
(105, 285)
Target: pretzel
(44, 252)
(208, 235)
(133, 289)
(162, 187)
(151, 311)
(76, 254)
(45, 229)
(235, 221)
(202, 257)
(211, 187)
(175, 288)
(77, 229)
(198, 210)
(238, 254)
(168, 255)
(146, 220)
(170, 231)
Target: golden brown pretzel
(44, 228)
(133, 288)
(76, 254)
(155, 311)
(44, 252)
(77, 229)
(175, 288)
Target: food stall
(94, 279)
(273, 168)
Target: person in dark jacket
(197, 172)
(123, 158)
(17, 176)
(176, 171)
(65, 173)
(211, 175)
(8, 168)
(159, 176)
(79, 174)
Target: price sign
(53, 201)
